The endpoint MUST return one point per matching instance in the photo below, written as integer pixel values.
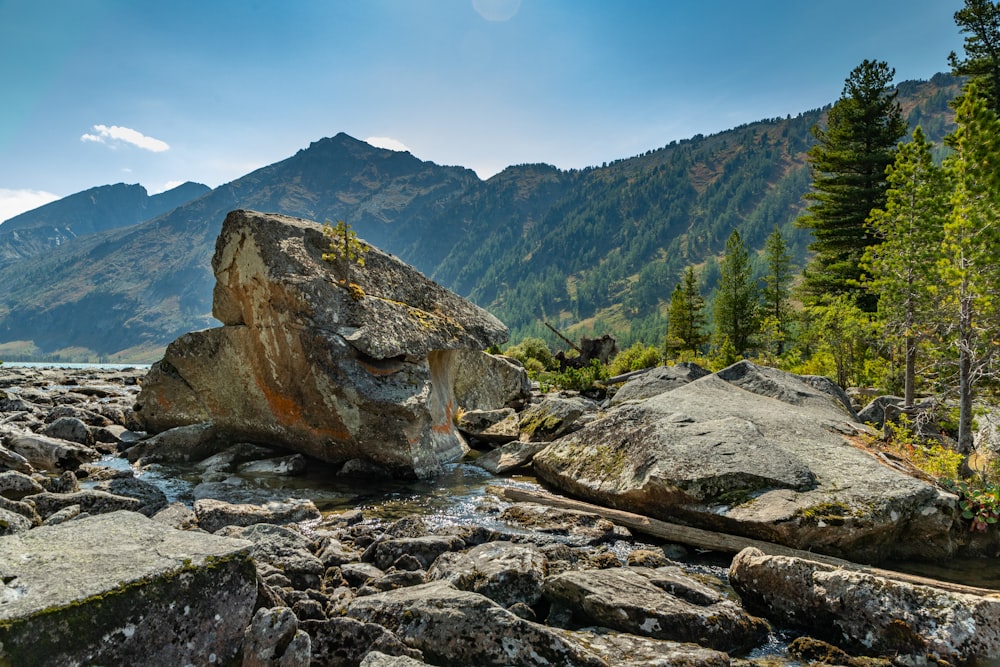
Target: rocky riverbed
(187, 548)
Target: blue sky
(138, 91)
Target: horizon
(158, 96)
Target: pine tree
(971, 250)
(979, 20)
(776, 287)
(902, 265)
(737, 302)
(848, 166)
(686, 324)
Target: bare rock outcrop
(335, 367)
(756, 452)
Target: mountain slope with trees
(592, 251)
(88, 212)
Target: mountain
(591, 250)
(88, 212)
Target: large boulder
(870, 614)
(756, 452)
(120, 589)
(336, 367)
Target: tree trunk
(965, 376)
(910, 374)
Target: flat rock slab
(119, 588)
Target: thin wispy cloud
(15, 202)
(114, 135)
(388, 143)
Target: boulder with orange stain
(303, 363)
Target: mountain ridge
(595, 249)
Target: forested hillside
(593, 250)
(604, 247)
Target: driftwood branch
(565, 340)
(723, 542)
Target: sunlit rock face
(339, 367)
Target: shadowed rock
(120, 589)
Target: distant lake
(61, 364)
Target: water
(72, 365)
(459, 495)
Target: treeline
(600, 250)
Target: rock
(360, 574)
(63, 515)
(627, 599)
(25, 509)
(756, 452)
(16, 485)
(625, 650)
(306, 363)
(11, 523)
(425, 549)
(284, 549)
(658, 380)
(335, 554)
(510, 457)
(495, 427)
(139, 593)
(553, 417)
(346, 641)
(214, 514)
(572, 526)
(12, 460)
(89, 500)
(151, 498)
(448, 625)
(874, 412)
(66, 482)
(273, 639)
(51, 454)
(489, 382)
(177, 515)
(504, 572)
(70, 428)
(191, 442)
(379, 659)
(867, 613)
(81, 414)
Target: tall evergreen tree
(686, 324)
(777, 280)
(979, 20)
(848, 166)
(902, 266)
(737, 301)
(971, 250)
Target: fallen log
(722, 542)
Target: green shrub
(533, 349)
(635, 358)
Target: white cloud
(388, 143)
(15, 202)
(114, 134)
